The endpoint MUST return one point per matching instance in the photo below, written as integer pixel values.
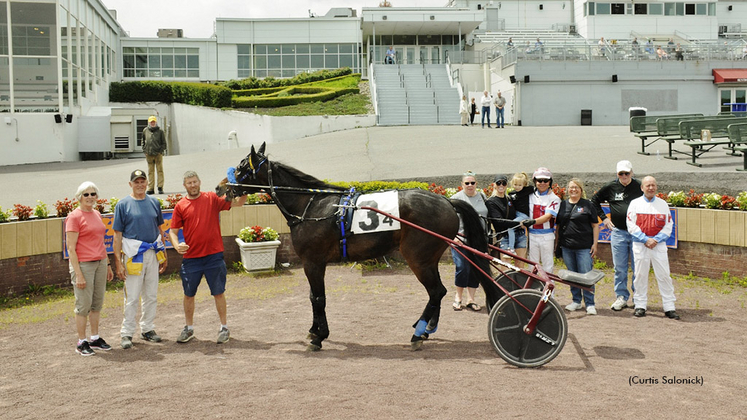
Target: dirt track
(366, 370)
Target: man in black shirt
(619, 193)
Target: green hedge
(371, 186)
(307, 94)
(299, 79)
(170, 92)
(354, 80)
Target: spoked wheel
(506, 329)
(510, 279)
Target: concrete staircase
(415, 94)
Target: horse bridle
(296, 219)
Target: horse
(311, 208)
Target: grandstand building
(558, 62)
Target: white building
(57, 58)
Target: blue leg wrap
(432, 331)
(420, 327)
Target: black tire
(510, 279)
(506, 330)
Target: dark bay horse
(316, 235)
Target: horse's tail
(477, 238)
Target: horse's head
(251, 170)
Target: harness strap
(344, 202)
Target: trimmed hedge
(299, 79)
(170, 92)
(372, 186)
(307, 94)
(267, 91)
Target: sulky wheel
(506, 330)
(505, 280)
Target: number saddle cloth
(355, 221)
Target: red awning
(729, 75)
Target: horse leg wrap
(420, 327)
(432, 326)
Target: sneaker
(100, 344)
(671, 314)
(126, 342)
(639, 312)
(185, 335)
(151, 336)
(160, 190)
(591, 310)
(619, 304)
(84, 349)
(223, 335)
(574, 306)
(149, 192)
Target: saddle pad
(369, 221)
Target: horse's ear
(261, 150)
(252, 152)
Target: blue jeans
(462, 277)
(499, 120)
(485, 113)
(579, 260)
(513, 234)
(622, 252)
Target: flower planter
(258, 256)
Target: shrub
(299, 79)
(676, 199)
(41, 211)
(169, 92)
(559, 191)
(728, 202)
(741, 199)
(172, 199)
(22, 212)
(101, 205)
(693, 199)
(258, 234)
(4, 215)
(712, 201)
(296, 95)
(113, 203)
(65, 206)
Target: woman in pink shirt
(89, 267)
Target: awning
(729, 75)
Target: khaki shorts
(92, 297)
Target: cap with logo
(137, 173)
(501, 177)
(152, 118)
(624, 166)
(542, 173)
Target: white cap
(542, 173)
(624, 166)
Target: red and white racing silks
(541, 204)
(649, 219)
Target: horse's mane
(306, 179)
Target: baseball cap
(500, 177)
(152, 118)
(542, 173)
(137, 173)
(624, 166)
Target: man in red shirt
(198, 213)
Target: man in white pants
(138, 241)
(543, 208)
(650, 224)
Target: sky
(143, 18)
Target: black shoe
(639, 312)
(84, 349)
(671, 314)
(160, 190)
(149, 192)
(151, 336)
(100, 344)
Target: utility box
(127, 129)
(636, 111)
(585, 117)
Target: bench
(722, 133)
(738, 137)
(669, 128)
(645, 127)
(742, 149)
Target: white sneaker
(574, 307)
(619, 304)
(590, 310)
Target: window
(618, 8)
(656, 9)
(603, 8)
(701, 9)
(680, 9)
(640, 9)
(160, 62)
(591, 8)
(690, 8)
(711, 9)
(669, 9)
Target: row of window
(287, 60)
(660, 9)
(161, 62)
(417, 40)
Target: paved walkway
(433, 153)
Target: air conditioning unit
(735, 28)
(723, 29)
(572, 29)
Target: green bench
(669, 128)
(721, 134)
(645, 127)
(738, 137)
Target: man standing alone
(485, 101)
(650, 224)
(138, 235)
(619, 193)
(500, 103)
(198, 213)
(154, 145)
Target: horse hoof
(416, 345)
(313, 347)
(425, 336)
(312, 336)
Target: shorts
(521, 241)
(91, 298)
(213, 267)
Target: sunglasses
(501, 183)
(623, 173)
(542, 181)
(470, 183)
(93, 194)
